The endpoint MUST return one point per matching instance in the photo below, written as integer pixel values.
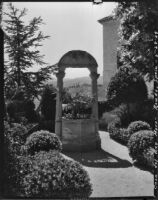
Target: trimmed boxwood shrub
(148, 155)
(14, 137)
(119, 134)
(50, 175)
(42, 141)
(137, 126)
(123, 136)
(139, 142)
(113, 128)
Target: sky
(71, 26)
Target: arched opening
(77, 86)
(77, 59)
(72, 73)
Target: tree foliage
(66, 96)
(138, 21)
(22, 42)
(126, 86)
(48, 102)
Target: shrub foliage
(14, 137)
(48, 102)
(43, 172)
(118, 114)
(52, 176)
(138, 126)
(126, 86)
(149, 156)
(139, 142)
(117, 133)
(42, 141)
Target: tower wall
(110, 44)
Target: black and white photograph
(80, 99)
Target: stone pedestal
(79, 135)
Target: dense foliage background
(138, 22)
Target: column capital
(60, 74)
(94, 75)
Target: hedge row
(119, 134)
(38, 168)
(138, 137)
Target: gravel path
(112, 173)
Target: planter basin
(80, 135)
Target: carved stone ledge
(60, 74)
(94, 75)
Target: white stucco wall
(110, 44)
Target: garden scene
(78, 138)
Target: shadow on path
(143, 167)
(98, 159)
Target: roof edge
(107, 19)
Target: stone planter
(80, 135)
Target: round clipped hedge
(53, 176)
(42, 141)
(138, 126)
(139, 142)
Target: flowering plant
(79, 107)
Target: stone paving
(112, 173)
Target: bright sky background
(72, 26)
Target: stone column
(58, 122)
(94, 76)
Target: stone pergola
(76, 59)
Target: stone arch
(76, 59)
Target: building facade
(110, 44)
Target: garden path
(112, 173)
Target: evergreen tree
(22, 53)
(138, 22)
